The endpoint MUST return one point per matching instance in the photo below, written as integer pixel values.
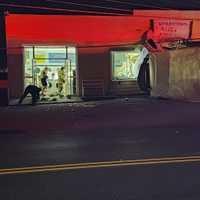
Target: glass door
(53, 68)
(28, 65)
(71, 70)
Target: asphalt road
(91, 151)
(150, 182)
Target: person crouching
(34, 91)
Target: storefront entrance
(53, 68)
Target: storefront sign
(170, 29)
(40, 59)
(57, 58)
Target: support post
(4, 89)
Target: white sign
(170, 29)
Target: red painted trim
(73, 30)
(3, 83)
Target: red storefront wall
(80, 31)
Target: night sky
(118, 7)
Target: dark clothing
(44, 81)
(34, 91)
(144, 76)
(44, 78)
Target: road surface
(117, 149)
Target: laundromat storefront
(101, 62)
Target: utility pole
(4, 89)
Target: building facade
(97, 53)
(100, 55)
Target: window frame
(112, 62)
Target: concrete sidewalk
(47, 100)
(124, 113)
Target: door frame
(67, 59)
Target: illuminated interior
(37, 59)
(125, 65)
